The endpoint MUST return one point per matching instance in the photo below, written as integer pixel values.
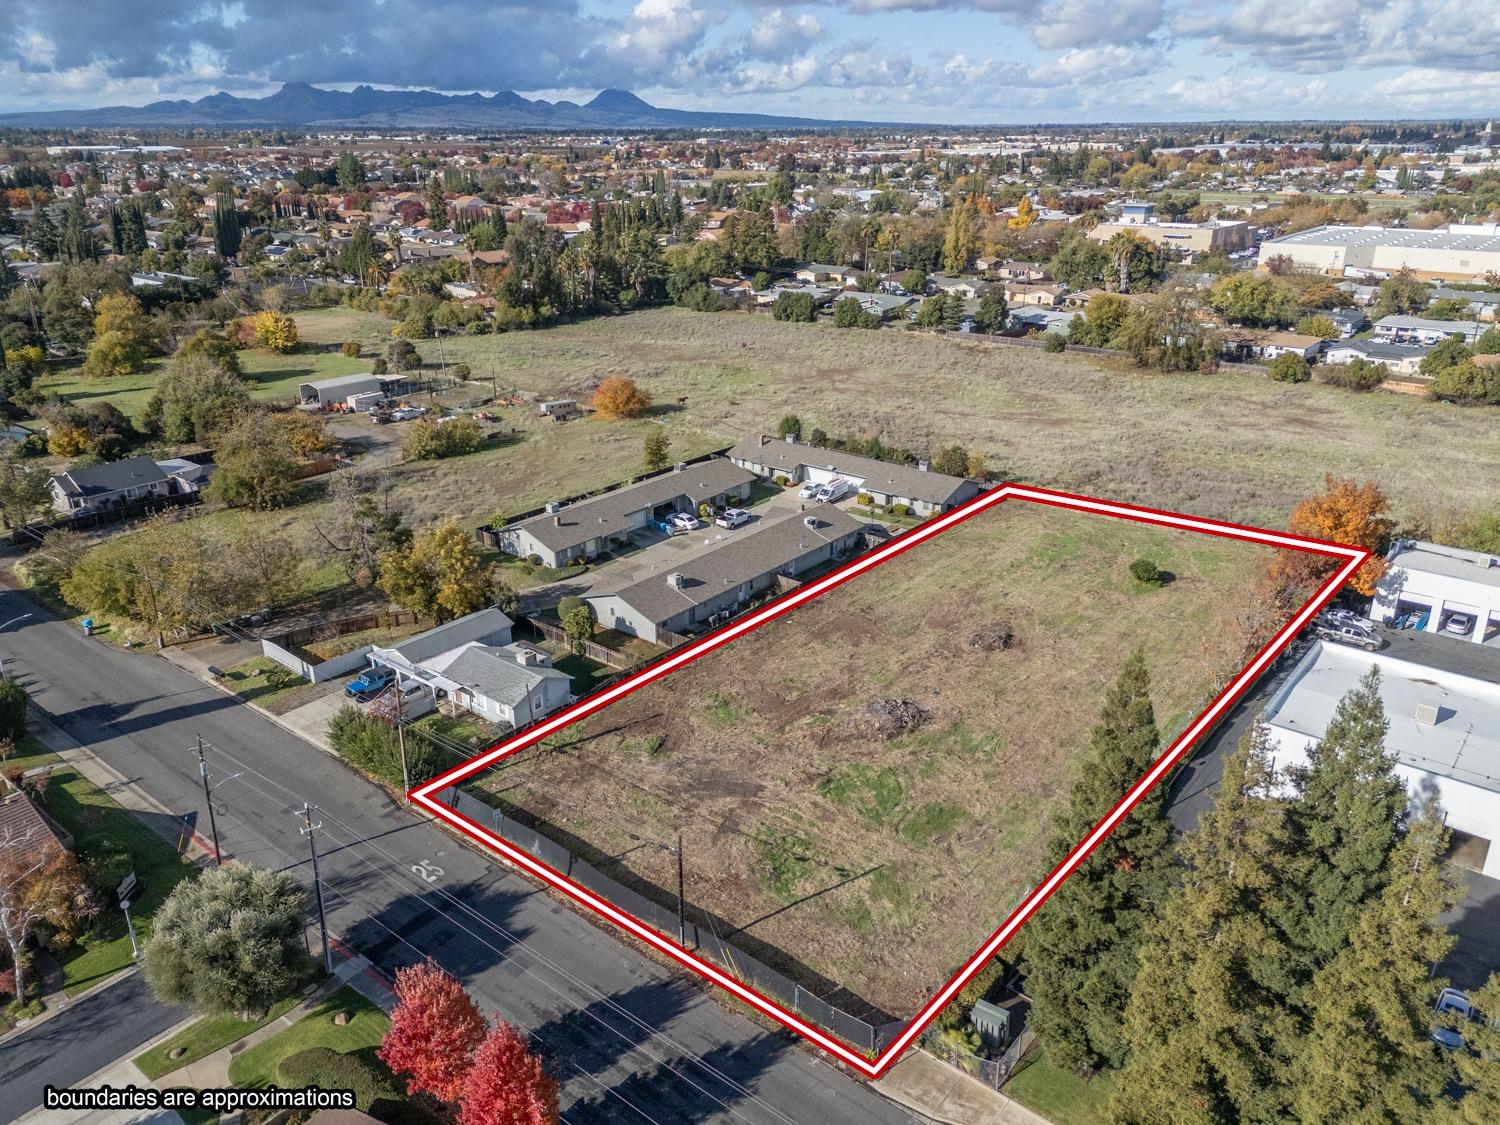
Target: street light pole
(208, 800)
(681, 912)
(310, 830)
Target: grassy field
(813, 829)
(89, 814)
(1246, 198)
(1227, 445)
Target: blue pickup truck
(370, 683)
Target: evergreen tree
(133, 229)
(1207, 1025)
(1367, 1056)
(7, 220)
(349, 173)
(1081, 947)
(76, 243)
(116, 231)
(437, 204)
(1347, 821)
(1479, 1104)
(993, 314)
(227, 233)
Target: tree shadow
(467, 930)
(594, 1037)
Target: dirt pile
(994, 638)
(892, 718)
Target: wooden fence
(601, 654)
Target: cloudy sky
(904, 60)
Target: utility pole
(681, 912)
(208, 800)
(401, 740)
(310, 830)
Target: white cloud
(777, 35)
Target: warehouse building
(1440, 589)
(1444, 731)
(1458, 252)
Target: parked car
(407, 413)
(1357, 635)
(684, 521)
(809, 490)
(371, 682)
(1452, 1002)
(415, 700)
(1460, 623)
(835, 489)
(732, 517)
(1343, 617)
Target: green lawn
(256, 1066)
(30, 754)
(586, 674)
(463, 729)
(261, 680)
(90, 814)
(204, 1038)
(1059, 1095)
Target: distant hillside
(299, 105)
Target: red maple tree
(507, 1085)
(434, 1032)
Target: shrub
(106, 863)
(351, 348)
(1360, 375)
(330, 1070)
(431, 441)
(864, 499)
(794, 306)
(899, 509)
(1146, 572)
(461, 372)
(371, 745)
(13, 700)
(534, 560)
(378, 366)
(1289, 368)
(1053, 342)
(568, 605)
(781, 479)
(619, 397)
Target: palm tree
(1121, 247)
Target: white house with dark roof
(601, 523)
(921, 489)
(723, 580)
(114, 484)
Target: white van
(834, 490)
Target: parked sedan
(732, 517)
(1459, 623)
(809, 490)
(684, 521)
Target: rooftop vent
(557, 521)
(922, 465)
(791, 439)
(553, 507)
(674, 580)
(682, 466)
(811, 521)
(1427, 714)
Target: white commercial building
(1432, 585)
(1458, 252)
(1444, 731)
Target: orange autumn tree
(619, 397)
(1344, 512)
(434, 1033)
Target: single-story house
(1348, 321)
(1291, 343)
(1443, 731)
(340, 389)
(1018, 271)
(113, 484)
(1059, 321)
(722, 580)
(1437, 581)
(1482, 303)
(31, 835)
(473, 662)
(600, 523)
(1078, 298)
(185, 476)
(882, 305)
(1421, 330)
(965, 287)
(1041, 296)
(917, 486)
(1402, 359)
(815, 272)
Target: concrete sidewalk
(948, 1096)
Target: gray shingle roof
(608, 514)
(113, 476)
(452, 635)
(767, 548)
(881, 476)
(497, 674)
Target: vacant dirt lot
(864, 786)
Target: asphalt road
(79, 1041)
(629, 1040)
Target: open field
(1228, 445)
(1245, 198)
(857, 854)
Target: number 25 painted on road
(428, 872)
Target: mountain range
(300, 105)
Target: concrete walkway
(118, 1075)
(948, 1096)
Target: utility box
(992, 1022)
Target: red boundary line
(424, 795)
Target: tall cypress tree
(1081, 948)
(43, 233)
(1209, 1031)
(1347, 822)
(1367, 1055)
(227, 233)
(76, 243)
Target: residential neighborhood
(873, 579)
